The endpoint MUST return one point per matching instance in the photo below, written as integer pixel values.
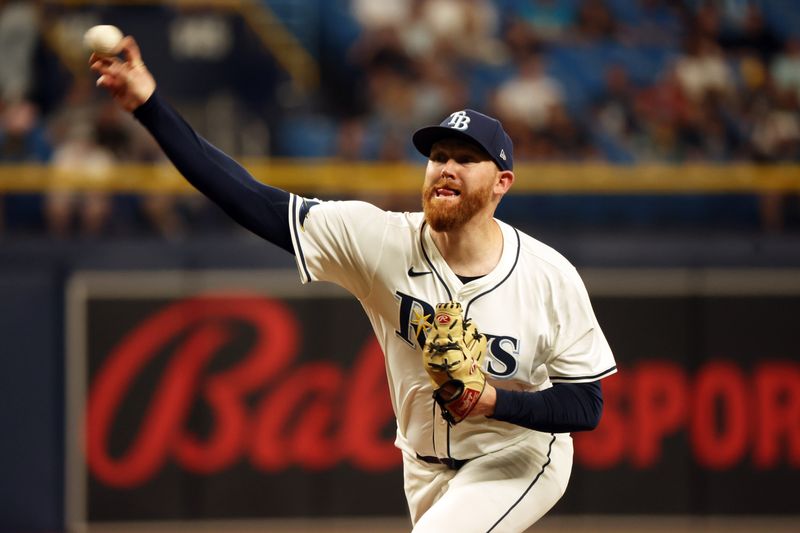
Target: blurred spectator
(785, 68)
(776, 132)
(22, 140)
(351, 140)
(438, 90)
(594, 21)
(117, 132)
(411, 71)
(661, 108)
(22, 137)
(455, 29)
(730, 94)
(703, 70)
(520, 40)
(751, 35)
(614, 110)
(79, 154)
(390, 85)
(776, 139)
(530, 95)
(113, 130)
(550, 20)
(652, 22)
(662, 142)
(161, 212)
(378, 16)
(731, 13)
(704, 20)
(19, 32)
(565, 139)
(705, 133)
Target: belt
(449, 462)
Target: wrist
(487, 402)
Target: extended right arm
(260, 208)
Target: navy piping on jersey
(516, 260)
(448, 442)
(295, 214)
(430, 263)
(433, 424)
(576, 378)
(449, 297)
(449, 294)
(527, 490)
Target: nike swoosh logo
(413, 273)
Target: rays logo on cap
(466, 125)
(459, 120)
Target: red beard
(445, 217)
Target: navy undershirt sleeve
(262, 209)
(563, 408)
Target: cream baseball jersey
(533, 307)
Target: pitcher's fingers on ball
(131, 52)
(113, 68)
(115, 84)
(101, 67)
(106, 82)
(96, 58)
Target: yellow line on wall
(334, 178)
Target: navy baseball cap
(473, 126)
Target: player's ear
(505, 178)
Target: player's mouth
(444, 192)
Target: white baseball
(103, 39)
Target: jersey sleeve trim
(578, 379)
(295, 205)
(430, 263)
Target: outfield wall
(184, 382)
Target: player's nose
(449, 169)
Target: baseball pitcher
(493, 352)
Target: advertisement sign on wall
(235, 395)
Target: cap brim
(425, 138)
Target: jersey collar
(474, 289)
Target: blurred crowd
(656, 80)
(621, 81)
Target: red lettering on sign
(719, 442)
(606, 446)
(302, 418)
(366, 413)
(659, 407)
(295, 422)
(278, 414)
(729, 415)
(777, 414)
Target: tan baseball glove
(452, 356)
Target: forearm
(258, 207)
(563, 408)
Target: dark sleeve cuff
(148, 110)
(514, 406)
(563, 408)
